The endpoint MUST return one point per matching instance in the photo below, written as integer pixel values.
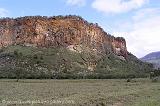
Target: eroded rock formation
(68, 31)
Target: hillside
(153, 58)
(63, 47)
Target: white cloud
(76, 2)
(144, 35)
(150, 12)
(3, 12)
(117, 6)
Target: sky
(138, 21)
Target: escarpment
(63, 47)
(66, 31)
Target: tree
(18, 64)
(154, 75)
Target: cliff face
(63, 47)
(68, 31)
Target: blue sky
(138, 21)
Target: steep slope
(153, 58)
(68, 31)
(33, 62)
(63, 47)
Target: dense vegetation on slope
(19, 61)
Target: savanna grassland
(106, 92)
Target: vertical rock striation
(66, 31)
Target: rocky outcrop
(66, 31)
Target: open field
(111, 92)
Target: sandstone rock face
(66, 31)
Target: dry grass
(140, 92)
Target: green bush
(65, 64)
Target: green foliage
(35, 56)
(121, 68)
(15, 52)
(154, 75)
(155, 79)
(61, 63)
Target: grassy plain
(106, 92)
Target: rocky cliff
(67, 31)
(63, 47)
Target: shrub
(155, 79)
(35, 56)
(15, 52)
